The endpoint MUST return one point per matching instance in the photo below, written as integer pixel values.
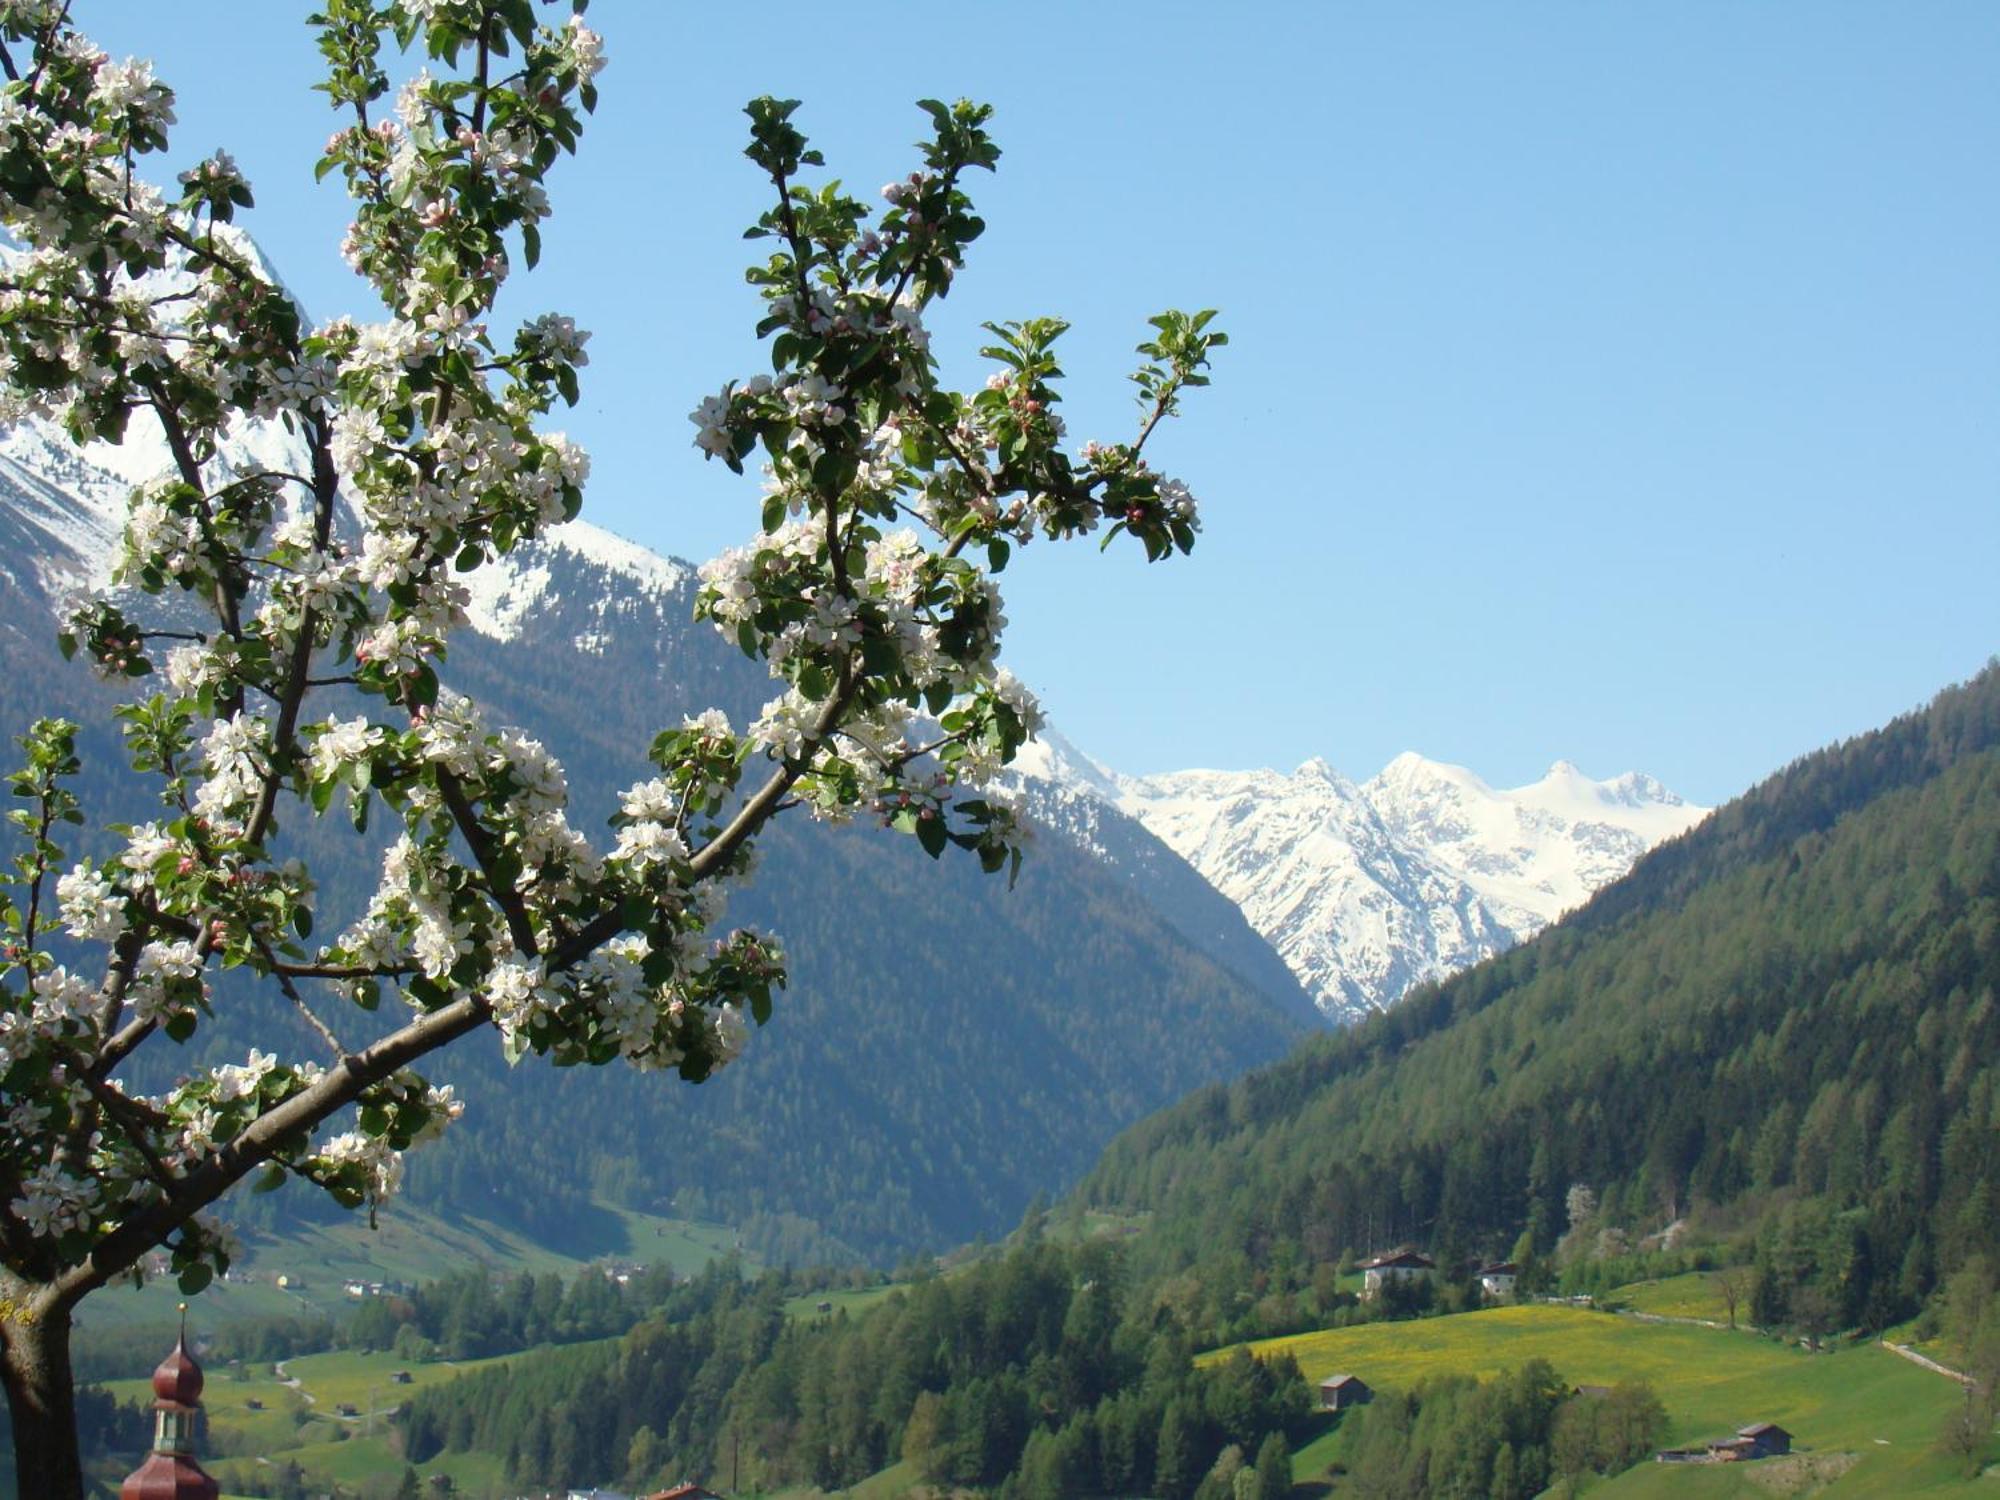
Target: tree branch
(339, 1087)
(292, 994)
(520, 927)
(713, 856)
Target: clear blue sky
(1615, 383)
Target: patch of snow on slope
(504, 592)
(616, 555)
(1051, 758)
(507, 590)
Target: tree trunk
(41, 1397)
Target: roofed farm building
(1396, 1267)
(1758, 1440)
(1496, 1282)
(1338, 1392)
(1768, 1437)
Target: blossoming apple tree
(284, 629)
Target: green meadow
(851, 1302)
(1693, 1295)
(1864, 1421)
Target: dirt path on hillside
(1927, 1362)
(294, 1382)
(1646, 1317)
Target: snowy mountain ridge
(1365, 889)
(72, 504)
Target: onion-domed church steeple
(170, 1471)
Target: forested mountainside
(936, 1021)
(1784, 1021)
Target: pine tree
(1274, 1468)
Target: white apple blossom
(54, 1202)
(382, 1165)
(712, 722)
(518, 991)
(147, 845)
(650, 799)
(343, 743)
(784, 725)
(129, 87)
(586, 47)
(92, 909)
(649, 843)
(240, 1081)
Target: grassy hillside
(1862, 1412)
(1693, 1295)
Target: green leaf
(196, 1276)
(932, 835)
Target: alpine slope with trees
(892, 503)
(1779, 1033)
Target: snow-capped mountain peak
(1366, 889)
(509, 589)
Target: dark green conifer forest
(1023, 1373)
(1780, 1028)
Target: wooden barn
(1338, 1392)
